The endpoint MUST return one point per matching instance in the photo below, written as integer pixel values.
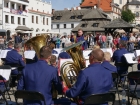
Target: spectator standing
(58, 42)
(109, 40)
(63, 39)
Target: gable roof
(86, 13)
(118, 23)
(105, 5)
(134, 2)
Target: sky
(61, 4)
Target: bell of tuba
(69, 70)
(37, 43)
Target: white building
(39, 16)
(134, 6)
(14, 13)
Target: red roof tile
(105, 5)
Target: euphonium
(37, 43)
(69, 70)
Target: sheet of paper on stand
(29, 54)
(108, 50)
(5, 73)
(58, 50)
(129, 58)
(3, 53)
(137, 52)
(87, 63)
(86, 53)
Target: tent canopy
(23, 28)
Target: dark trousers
(63, 45)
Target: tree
(128, 16)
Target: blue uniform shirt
(39, 77)
(93, 80)
(13, 57)
(109, 66)
(118, 57)
(64, 55)
(81, 38)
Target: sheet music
(137, 52)
(108, 50)
(3, 53)
(29, 54)
(58, 50)
(5, 73)
(86, 53)
(87, 62)
(129, 58)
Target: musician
(64, 55)
(10, 46)
(52, 46)
(39, 77)
(118, 57)
(94, 79)
(80, 37)
(13, 58)
(106, 63)
(53, 61)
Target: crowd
(40, 72)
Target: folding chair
(100, 99)
(135, 75)
(6, 87)
(115, 89)
(29, 95)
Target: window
(47, 21)
(12, 19)
(72, 25)
(36, 19)
(84, 25)
(137, 6)
(137, 14)
(95, 24)
(58, 17)
(32, 19)
(57, 26)
(64, 25)
(53, 18)
(23, 21)
(43, 20)
(6, 19)
(12, 6)
(80, 16)
(18, 20)
(120, 1)
(72, 17)
(51, 26)
(7, 5)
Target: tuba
(37, 43)
(69, 70)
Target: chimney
(53, 10)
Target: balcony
(13, 11)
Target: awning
(2, 30)
(23, 28)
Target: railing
(14, 11)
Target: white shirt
(132, 38)
(63, 40)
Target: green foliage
(128, 16)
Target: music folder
(29, 54)
(129, 58)
(5, 73)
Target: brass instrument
(69, 70)
(37, 43)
